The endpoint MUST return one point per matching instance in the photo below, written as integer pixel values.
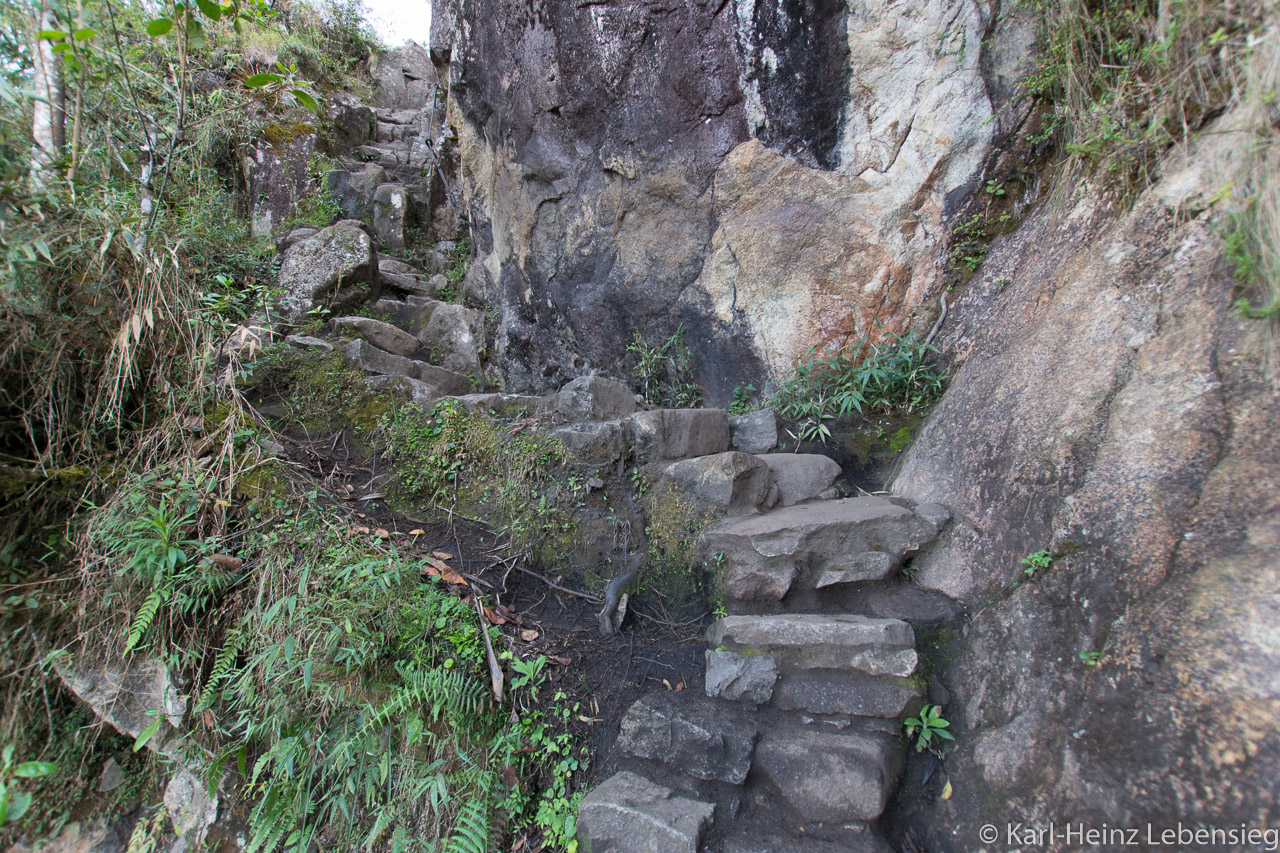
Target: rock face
(1108, 406)
(773, 176)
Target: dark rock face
(800, 45)
(1107, 406)
(601, 126)
(608, 163)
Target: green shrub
(884, 376)
(665, 372)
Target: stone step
(830, 776)
(828, 542)
(691, 735)
(399, 276)
(802, 476)
(362, 354)
(628, 813)
(812, 641)
(384, 336)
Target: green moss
(673, 525)
(449, 456)
(263, 481)
(901, 439)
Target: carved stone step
(827, 541)
(811, 641)
(691, 735)
(630, 814)
(830, 776)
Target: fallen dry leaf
(417, 531)
(565, 662)
(358, 514)
(583, 719)
(946, 790)
(529, 635)
(381, 533)
(680, 687)
(227, 561)
(667, 684)
(494, 618)
(442, 555)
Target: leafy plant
(969, 243)
(893, 374)
(665, 371)
(1036, 562)
(742, 399)
(1090, 658)
(928, 729)
(14, 802)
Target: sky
(398, 21)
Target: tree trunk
(48, 117)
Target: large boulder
(404, 78)
(335, 266)
(458, 333)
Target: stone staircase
(795, 744)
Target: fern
(146, 615)
(471, 833)
(448, 690)
(221, 669)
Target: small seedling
(1090, 658)
(1035, 563)
(927, 728)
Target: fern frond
(447, 690)
(471, 832)
(221, 669)
(146, 615)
